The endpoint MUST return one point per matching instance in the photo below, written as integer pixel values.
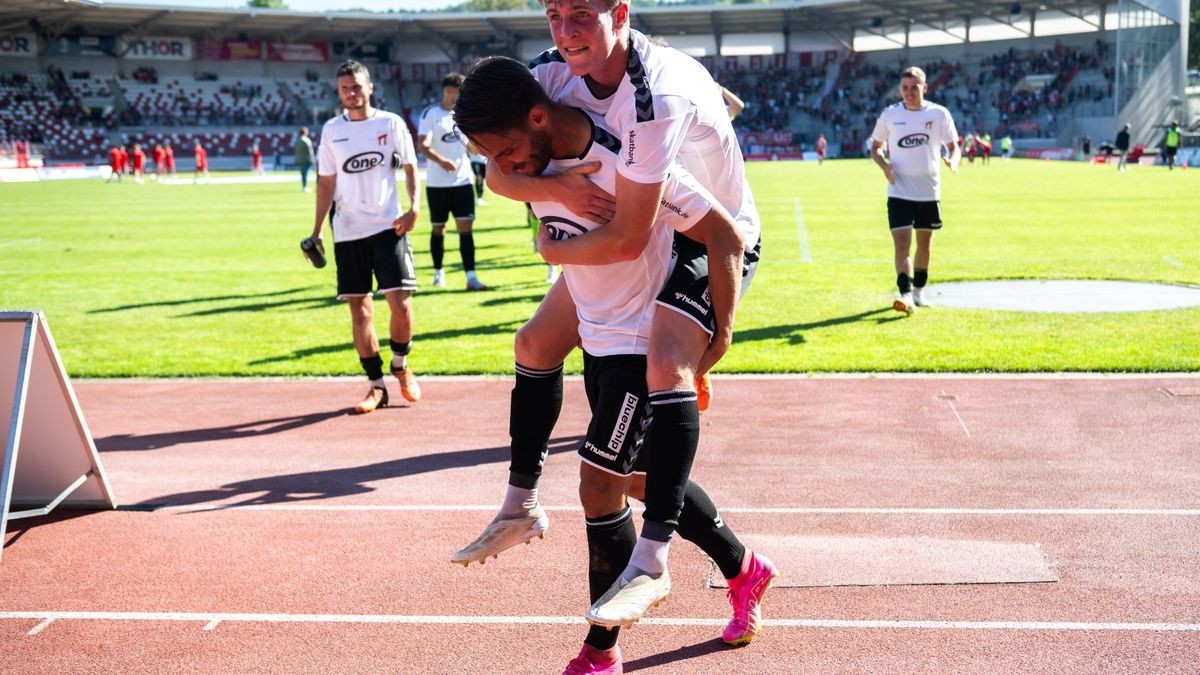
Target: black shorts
(919, 215)
(1169, 151)
(480, 169)
(686, 289)
(385, 255)
(459, 200)
(620, 404)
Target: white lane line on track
(768, 510)
(40, 627)
(212, 619)
(801, 232)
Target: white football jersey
(914, 141)
(615, 302)
(360, 155)
(667, 109)
(438, 123)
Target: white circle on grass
(1065, 296)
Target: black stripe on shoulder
(605, 139)
(548, 56)
(643, 99)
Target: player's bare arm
(953, 156)
(882, 161)
(571, 188)
(325, 189)
(408, 220)
(620, 240)
(720, 236)
(433, 155)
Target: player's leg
(540, 347)
(439, 212)
(616, 390)
(397, 277)
(353, 262)
(463, 207)
(900, 221)
(749, 574)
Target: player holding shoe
(508, 117)
(914, 132)
(369, 232)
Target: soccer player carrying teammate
(914, 131)
(507, 116)
(448, 184)
(664, 108)
(369, 232)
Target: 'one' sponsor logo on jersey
(913, 141)
(363, 161)
(449, 137)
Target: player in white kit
(663, 107)
(448, 188)
(508, 117)
(914, 131)
(369, 231)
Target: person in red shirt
(201, 163)
(822, 146)
(256, 160)
(159, 156)
(22, 151)
(169, 159)
(114, 163)
(138, 162)
(122, 159)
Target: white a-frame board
(57, 463)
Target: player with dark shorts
(479, 168)
(907, 145)
(356, 188)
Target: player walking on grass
(448, 189)
(508, 117)
(913, 132)
(657, 103)
(369, 232)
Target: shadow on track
(328, 484)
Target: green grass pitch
(205, 280)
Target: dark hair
(352, 68)
(497, 96)
(453, 80)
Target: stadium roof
(841, 19)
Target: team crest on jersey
(928, 125)
(381, 139)
(913, 141)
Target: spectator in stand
(256, 166)
(169, 159)
(138, 162)
(201, 163)
(822, 146)
(1122, 147)
(304, 157)
(114, 163)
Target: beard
(539, 152)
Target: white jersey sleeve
(949, 131)
(326, 163)
(403, 143)
(649, 148)
(425, 127)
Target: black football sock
(672, 437)
(610, 541)
(437, 248)
(701, 524)
(535, 404)
(466, 248)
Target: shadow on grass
(504, 328)
(129, 442)
(326, 300)
(676, 655)
(315, 485)
(193, 301)
(795, 332)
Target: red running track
(263, 529)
